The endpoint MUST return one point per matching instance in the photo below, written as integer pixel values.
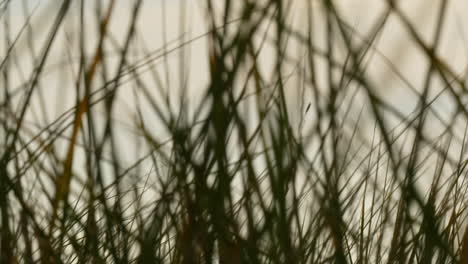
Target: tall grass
(291, 152)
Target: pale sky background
(395, 44)
(160, 19)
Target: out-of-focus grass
(246, 176)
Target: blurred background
(395, 63)
(111, 91)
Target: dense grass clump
(288, 147)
